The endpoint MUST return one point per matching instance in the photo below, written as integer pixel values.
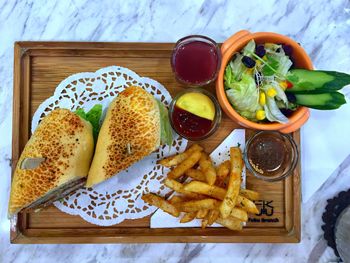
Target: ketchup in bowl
(196, 60)
(195, 114)
(190, 125)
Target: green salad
(262, 85)
(93, 116)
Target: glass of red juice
(196, 60)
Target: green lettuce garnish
(249, 49)
(235, 69)
(244, 96)
(270, 67)
(284, 64)
(93, 116)
(228, 77)
(166, 134)
(273, 113)
(81, 113)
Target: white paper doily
(118, 198)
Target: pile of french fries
(213, 194)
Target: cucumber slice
(323, 101)
(316, 81)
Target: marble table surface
(320, 26)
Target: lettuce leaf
(249, 49)
(283, 63)
(280, 92)
(234, 70)
(271, 68)
(228, 77)
(166, 133)
(93, 116)
(237, 66)
(244, 96)
(273, 113)
(81, 113)
(278, 61)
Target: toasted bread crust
(66, 141)
(132, 120)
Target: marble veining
(322, 27)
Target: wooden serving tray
(41, 66)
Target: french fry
(173, 184)
(239, 214)
(222, 172)
(250, 194)
(213, 216)
(176, 199)
(202, 213)
(179, 187)
(196, 174)
(219, 193)
(234, 182)
(161, 203)
(230, 223)
(207, 168)
(192, 206)
(188, 217)
(204, 223)
(206, 196)
(202, 189)
(246, 205)
(206, 189)
(188, 163)
(205, 220)
(178, 158)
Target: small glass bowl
(216, 121)
(186, 40)
(290, 160)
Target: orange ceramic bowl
(235, 44)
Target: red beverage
(196, 60)
(190, 125)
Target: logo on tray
(266, 211)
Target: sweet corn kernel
(271, 92)
(258, 62)
(264, 58)
(250, 70)
(283, 85)
(260, 115)
(262, 98)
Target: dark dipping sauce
(268, 154)
(190, 125)
(195, 62)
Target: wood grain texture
(41, 66)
